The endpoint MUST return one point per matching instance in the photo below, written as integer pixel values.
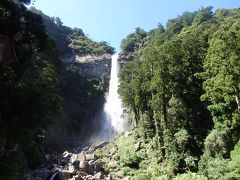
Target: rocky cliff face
(93, 67)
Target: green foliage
(234, 164)
(182, 83)
(29, 95)
(219, 168)
(190, 176)
(204, 14)
(141, 176)
(218, 143)
(221, 74)
(213, 168)
(83, 45)
(133, 43)
(72, 41)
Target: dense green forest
(45, 105)
(181, 87)
(179, 84)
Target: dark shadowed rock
(65, 174)
(71, 168)
(76, 165)
(84, 166)
(97, 167)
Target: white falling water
(113, 106)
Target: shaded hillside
(83, 80)
(43, 101)
(29, 92)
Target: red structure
(7, 52)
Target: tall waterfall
(113, 107)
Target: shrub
(213, 168)
(217, 143)
(190, 176)
(234, 164)
(141, 176)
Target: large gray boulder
(73, 158)
(90, 157)
(81, 156)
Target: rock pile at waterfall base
(73, 166)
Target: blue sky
(113, 20)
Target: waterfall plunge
(113, 106)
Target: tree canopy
(181, 83)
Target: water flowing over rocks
(83, 163)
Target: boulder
(98, 146)
(99, 175)
(109, 177)
(126, 134)
(101, 145)
(73, 158)
(66, 166)
(97, 167)
(64, 161)
(90, 157)
(92, 148)
(65, 174)
(137, 146)
(76, 178)
(84, 166)
(126, 178)
(66, 154)
(89, 177)
(76, 165)
(71, 168)
(82, 173)
(81, 156)
(91, 162)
